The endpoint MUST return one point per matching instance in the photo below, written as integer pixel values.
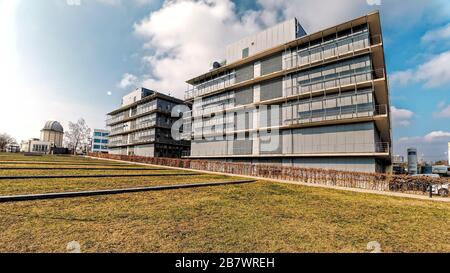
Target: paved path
(385, 193)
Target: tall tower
(448, 153)
(412, 161)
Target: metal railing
(323, 52)
(352, 76)
(185, 153)
(337, 113)
(116, 119)
(211, 85)
(316, 54)
(142, 139)
(382, 147)
(319, 149)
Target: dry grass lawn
(258, 217)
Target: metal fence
(370, 181)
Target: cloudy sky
(66, 59)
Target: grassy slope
(260, 217)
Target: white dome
(53, 126)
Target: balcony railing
(352, 76)
(211, 86)
(330, 50)
(337, 113)
(382, 147)
(116, 119)
(142, 139)
(301, 58)
(319, 149)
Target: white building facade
(100, 141)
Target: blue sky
(66, 59)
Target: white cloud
(315, 15)
(438, 136)
(433, 73)
(431, 147)
(437, 34)
(443, 111)
(186, 36)
(402, 77)
(128, 80)
(401, 117)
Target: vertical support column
(256, 93)
(257, 69)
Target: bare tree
(78, 135)
(5, 140)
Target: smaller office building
(142, 126)
(35, 145)
(100, 141)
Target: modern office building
(100, 141)
(326, 96)
(142, 126)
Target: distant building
(53, 132)
(35, 145)
(142, 126)
(100, 141)
(398, 164)
(412, 161)
(448, 153)
(398, 159)
(13, 148)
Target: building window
(98, 134)
(245, 53)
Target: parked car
(441, 190)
